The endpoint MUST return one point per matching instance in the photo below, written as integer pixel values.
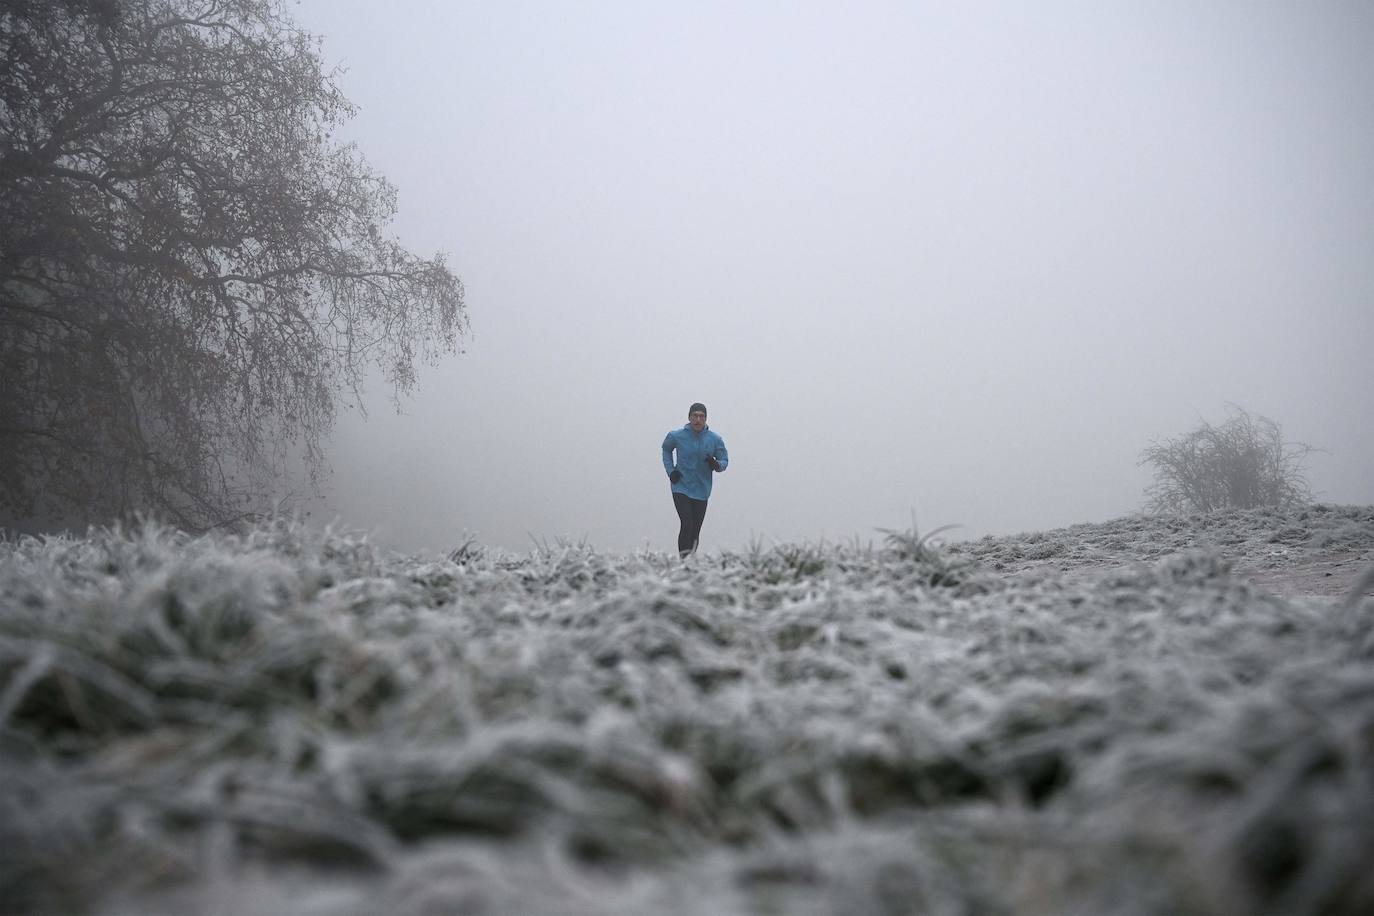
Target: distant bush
(1242, 464)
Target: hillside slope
(1318, 550)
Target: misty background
(966, 262)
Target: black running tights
(691, 512)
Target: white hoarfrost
(1147, 716)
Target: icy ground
(1146, 716)
(1319, 550)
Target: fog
(913, 257)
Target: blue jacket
(692, 449)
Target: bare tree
(1243, 463)
(191, 271)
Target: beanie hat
(695, 407)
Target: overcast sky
(912, 256)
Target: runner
(700, 454)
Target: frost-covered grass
(1263, 538)
(293, 722)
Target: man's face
(697, 419)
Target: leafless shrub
(1242, 464)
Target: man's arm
(722, 456)
(668, 446)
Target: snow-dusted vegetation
(1102, 719)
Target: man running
(700, 453)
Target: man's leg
(687, 526)
(698, 516)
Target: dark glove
(711, 460)
(675, 476)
